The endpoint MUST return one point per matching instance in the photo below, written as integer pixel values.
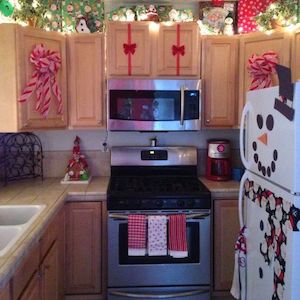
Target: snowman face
(265, 126)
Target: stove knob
(180, 203)
(191, 202)
(159, 203)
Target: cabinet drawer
(25, 271)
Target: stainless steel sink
(14, 220)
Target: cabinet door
(219, 80)
(5, 293)
(259, 43)
(177, 52)
(296, 56)
(226, 228)
(83, 251)
(32, 291)
(27, 38)
(51, 275)
(85, 80)
(128, 49)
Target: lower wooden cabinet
(84, 261)
(5, 293)
(40, 275)
(226, 228)
(32, 291)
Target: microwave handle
(182, 104)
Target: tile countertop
(222, 189)
(53, 194)
(49, 192)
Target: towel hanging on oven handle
(188, 216)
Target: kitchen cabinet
(52, 259)
(32, 291)
(24, 282)
(16, 45)
(219, 81)
(128, 49)
(40, 275)
(296, 56)
(5, 292)
(226, 229)
(86, 81)
(177, 50)
(258, 44)
(84, 242)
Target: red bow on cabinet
(180, 50)
(129, 48)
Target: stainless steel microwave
(153, 105)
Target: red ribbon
(43, 80)
(261, 68)
(129, 49)
(178, 50)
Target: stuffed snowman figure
(81, 26)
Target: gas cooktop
(156, 178)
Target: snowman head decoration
(267, 132)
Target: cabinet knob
(207, 121)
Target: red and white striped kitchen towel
(137, 235)
(157, 235)
(177, 236)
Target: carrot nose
(263, 138)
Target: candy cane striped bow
(261, 68)
(43, 80)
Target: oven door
(159, 110)
(132, 271)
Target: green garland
(33, 12)
(282, 13)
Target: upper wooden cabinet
(147, 49)
(16, 45)
(296, 56)
(128, 49)
(85, 81)
(219, 81)
(177, 50)
(258, 44)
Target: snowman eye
(260, 121)
(270, 122)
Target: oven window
(192, 241)
(145, 105)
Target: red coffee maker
(218, 164)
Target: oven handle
(182, 104)
(160, 296)
(191, 216)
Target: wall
(57, 146)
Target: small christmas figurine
(82, 26)
(77, 168)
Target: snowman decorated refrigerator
(269, 198)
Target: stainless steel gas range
(158, 181)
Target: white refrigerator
(269, 200)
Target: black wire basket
(21, 156)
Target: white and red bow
(43, 80)
(261, 68)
